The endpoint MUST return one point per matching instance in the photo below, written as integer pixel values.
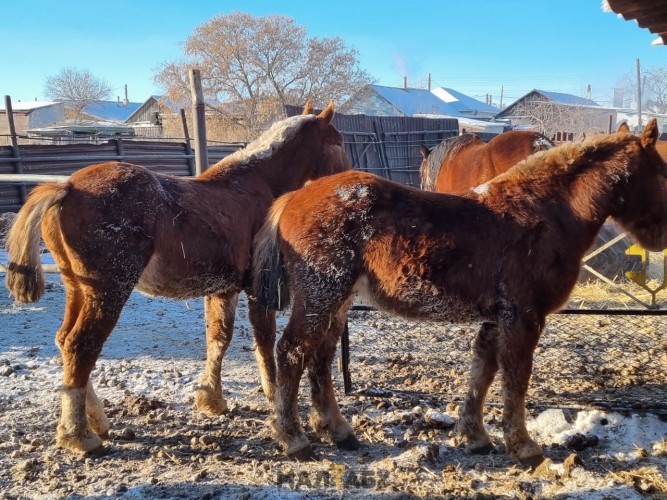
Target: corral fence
(607, 348)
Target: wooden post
(188, 145)
(15, 145)
(639, 99)
(199, 121)
(345, 358)
(611, 122)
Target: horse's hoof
(306, 454)
(85, 443)
(350, 443)
(532, 461)
(206, 402)
(485, 449)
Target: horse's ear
(327, 113)
(308, 108)
(623, 128)
(424, 151)
(650, 134)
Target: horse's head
(642, 207)
(323, 144)
(426, 180)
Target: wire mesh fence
(614, 361)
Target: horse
(460, 163)
(507, 253)
(114, 227)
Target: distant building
(28, 115)
(559, 116)
(441, 102)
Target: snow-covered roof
(111, 110)
(28, 105)
(440, 101)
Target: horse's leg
(483, 369)
(294, 350)
(325, 416)
(80, 347)
(74, 300)
(263, 323)
(515, 355)
(219, 312)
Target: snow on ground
(147, 375)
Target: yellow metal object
(641, 277)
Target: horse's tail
(270, 285)
(25, 278)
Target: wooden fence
(387, 146)
(175, 158)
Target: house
(98, 121)
(28, 115)
(558, 115)
(441, 102)
(146, 119)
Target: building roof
(462, 103)
(27, 106)
(440, 101)
(651, 15)
(559, 97)
(116, 111)
(566, 98)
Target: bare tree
(252, 66)
(656, 89)
(76, 88)
(560, 121)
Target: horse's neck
(589, 195)
(275, 171)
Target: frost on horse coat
(116, 226)
(460, 163)
(507, 253)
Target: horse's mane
(270, 141)
(437, 156)
(567, 158)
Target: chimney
(429, 82)
(126, 100)
(405, 83)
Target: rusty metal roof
(651, 15)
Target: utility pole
(639, 97)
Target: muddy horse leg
(483, 369)
(264, 328)
(219, 311)
(515, 355)
(294, 351)
(325, 416)
(82, 418)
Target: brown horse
(460, 163)
(116, 226)
(507, 253)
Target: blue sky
(475, 47)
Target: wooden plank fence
(174, 158)
(387, 146)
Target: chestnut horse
(115, 226)
(507, 252)
(460, 163)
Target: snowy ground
(160, 448)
